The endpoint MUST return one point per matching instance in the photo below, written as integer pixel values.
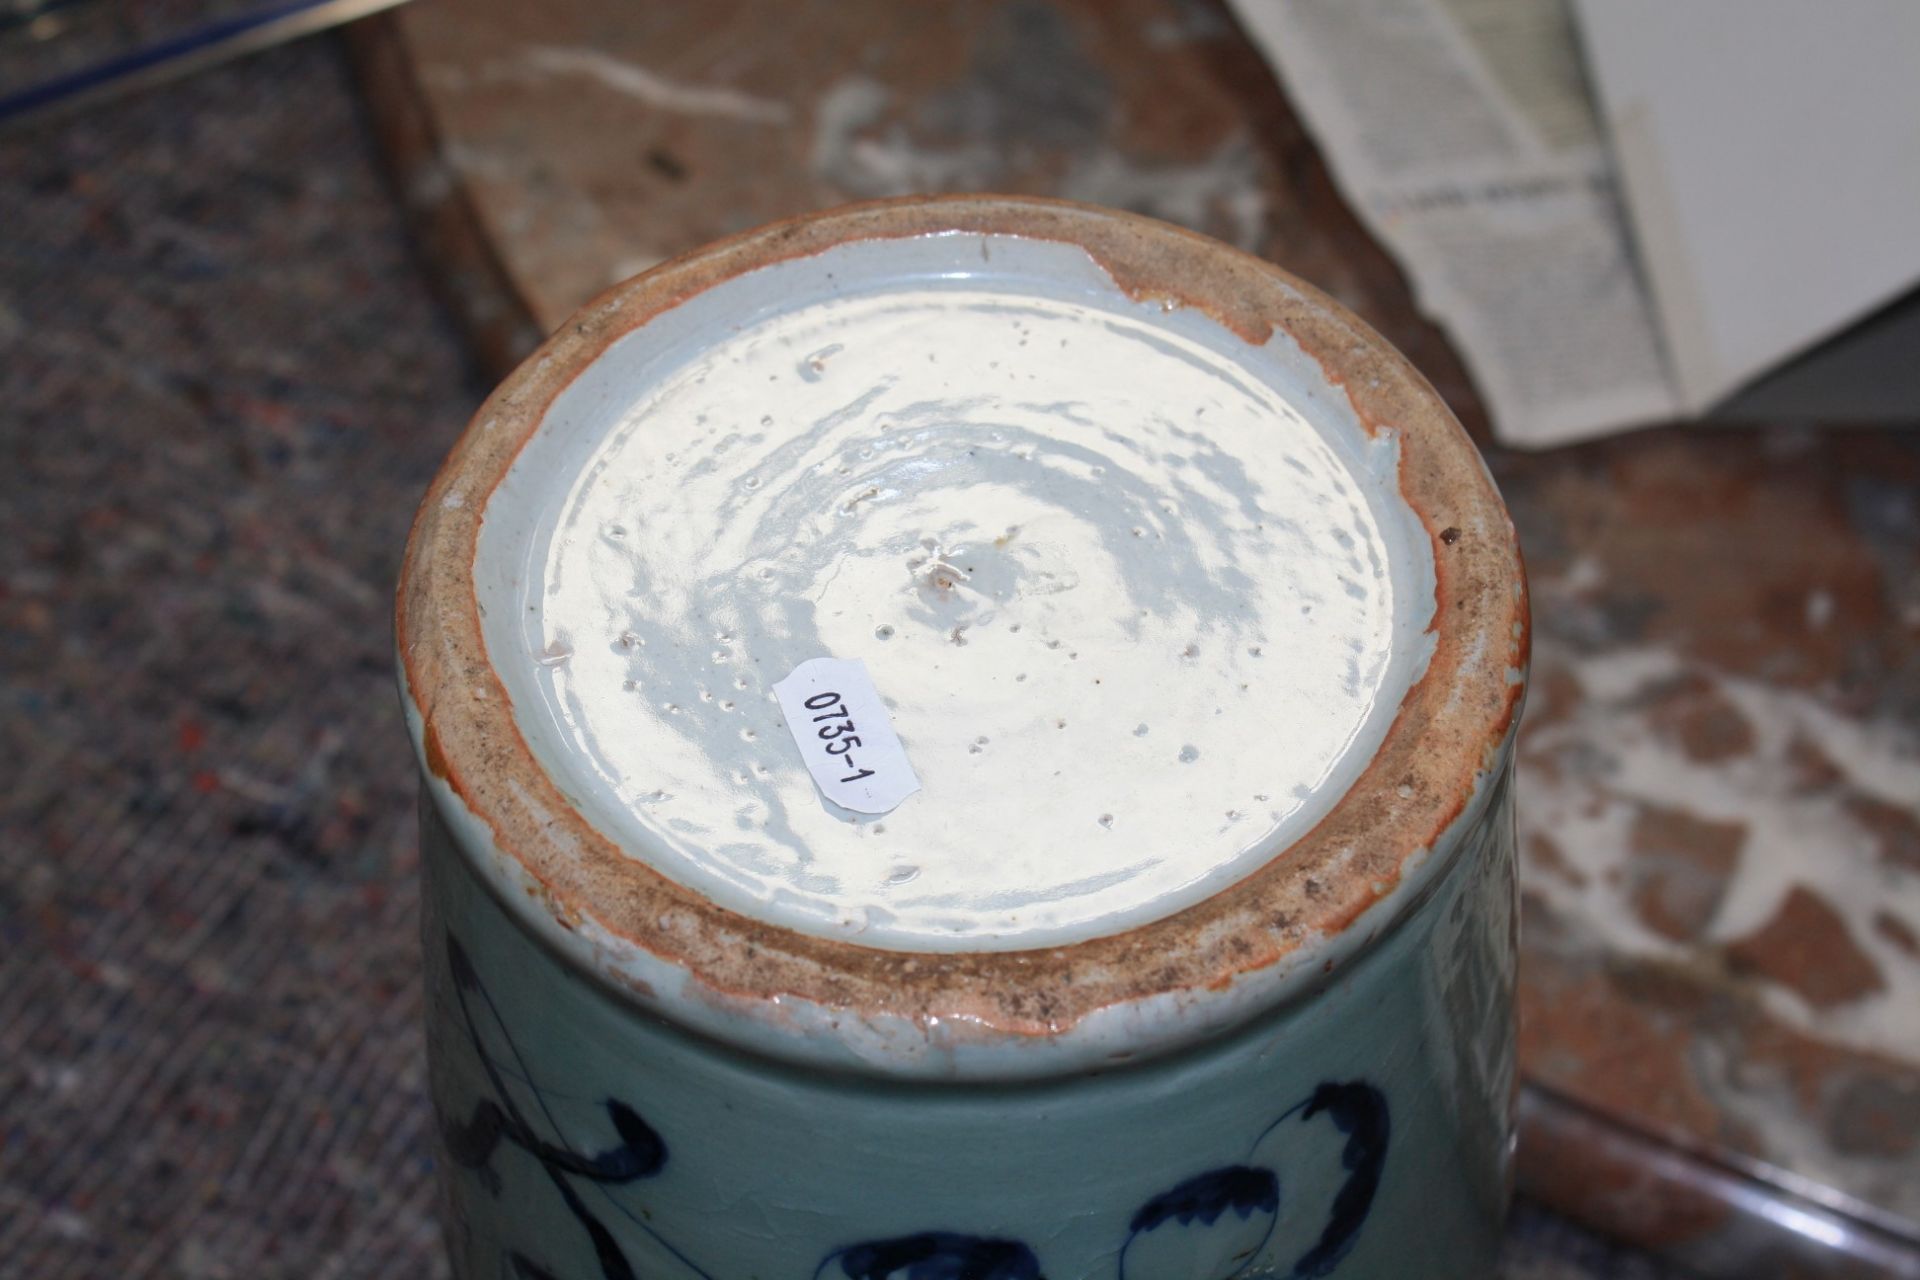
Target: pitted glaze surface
(1142, 596)
(1278, 933)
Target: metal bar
(180, 55)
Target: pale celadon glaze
(745, 1168)
(1140, 600)
(1144, 599)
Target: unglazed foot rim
(1273, 933)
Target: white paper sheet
(1463, 133)
(1770, 155)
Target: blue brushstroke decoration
(1358, 1110)
(470, 1144)
(1241, 1188)
(935, 1255)
(1204, 1198)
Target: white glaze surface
(1142, 599)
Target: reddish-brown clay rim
(1449, 729)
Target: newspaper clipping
(1464, 134)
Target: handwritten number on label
(841, 737)
(841, 726)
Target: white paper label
(841, 727)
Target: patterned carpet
(225, 382)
